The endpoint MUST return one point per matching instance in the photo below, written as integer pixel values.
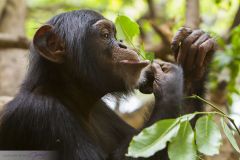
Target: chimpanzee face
(123, 61)
(86, 42)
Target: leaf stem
(129, 40)
(219, 111)
(211, 113)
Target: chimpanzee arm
(167, 89)
(193, 50)
(167, 86)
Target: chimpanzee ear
(49, 44)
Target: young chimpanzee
(75, 59)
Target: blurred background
(158, 20)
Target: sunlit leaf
(153, 138)
(187, 117)
(183, 146)
(149, 56)
(208, 136)
(146, 55)
(126, 28)
(229, 135)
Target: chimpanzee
(75, 59)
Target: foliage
(39, 11)
(154, 138)
(127, 30)
(183, 147)
(208, 136)
(228, 132)
(228, 59)
(184, 142)
(217, 15)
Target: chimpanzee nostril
(122, 45)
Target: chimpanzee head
(83, 46)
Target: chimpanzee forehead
(105, 23)
(78, 16)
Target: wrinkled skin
(193, 50)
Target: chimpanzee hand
(193, 50)
(168, 80)
(163, 79)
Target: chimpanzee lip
(135, 62)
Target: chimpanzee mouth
(135, 62)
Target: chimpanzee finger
(189, 64)
(181, 34)
(208, 58)
(202, 39)
(156, 68)
(193, 51)
(185, 47)
(204, 48)
(201, 70)
(146, 81)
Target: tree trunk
(2, 5)
(12, 60)
(192, 14)
(236, 22)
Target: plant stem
(207, 102)
(219, 111)
(129, 40)
(211, 113)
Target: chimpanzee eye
(106, 35)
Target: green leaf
(126, 28)
(149, 56)
(217, 1)
(146, 55)
(208, 136)
(183, 147)
(142, 52)
(187, 117)
(153, 138)
(229, 135)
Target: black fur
(58, 107)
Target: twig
(12, 41)
(216, 108)
(152, 14)
(163, 32)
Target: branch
(151, 9)
(2, 6)
(12, 41)
(161, 51)
(149, 15)
(235, 23)
(236, 20)
(164, 32)
(218, 110)
(192, 14)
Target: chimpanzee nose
(121, 45)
